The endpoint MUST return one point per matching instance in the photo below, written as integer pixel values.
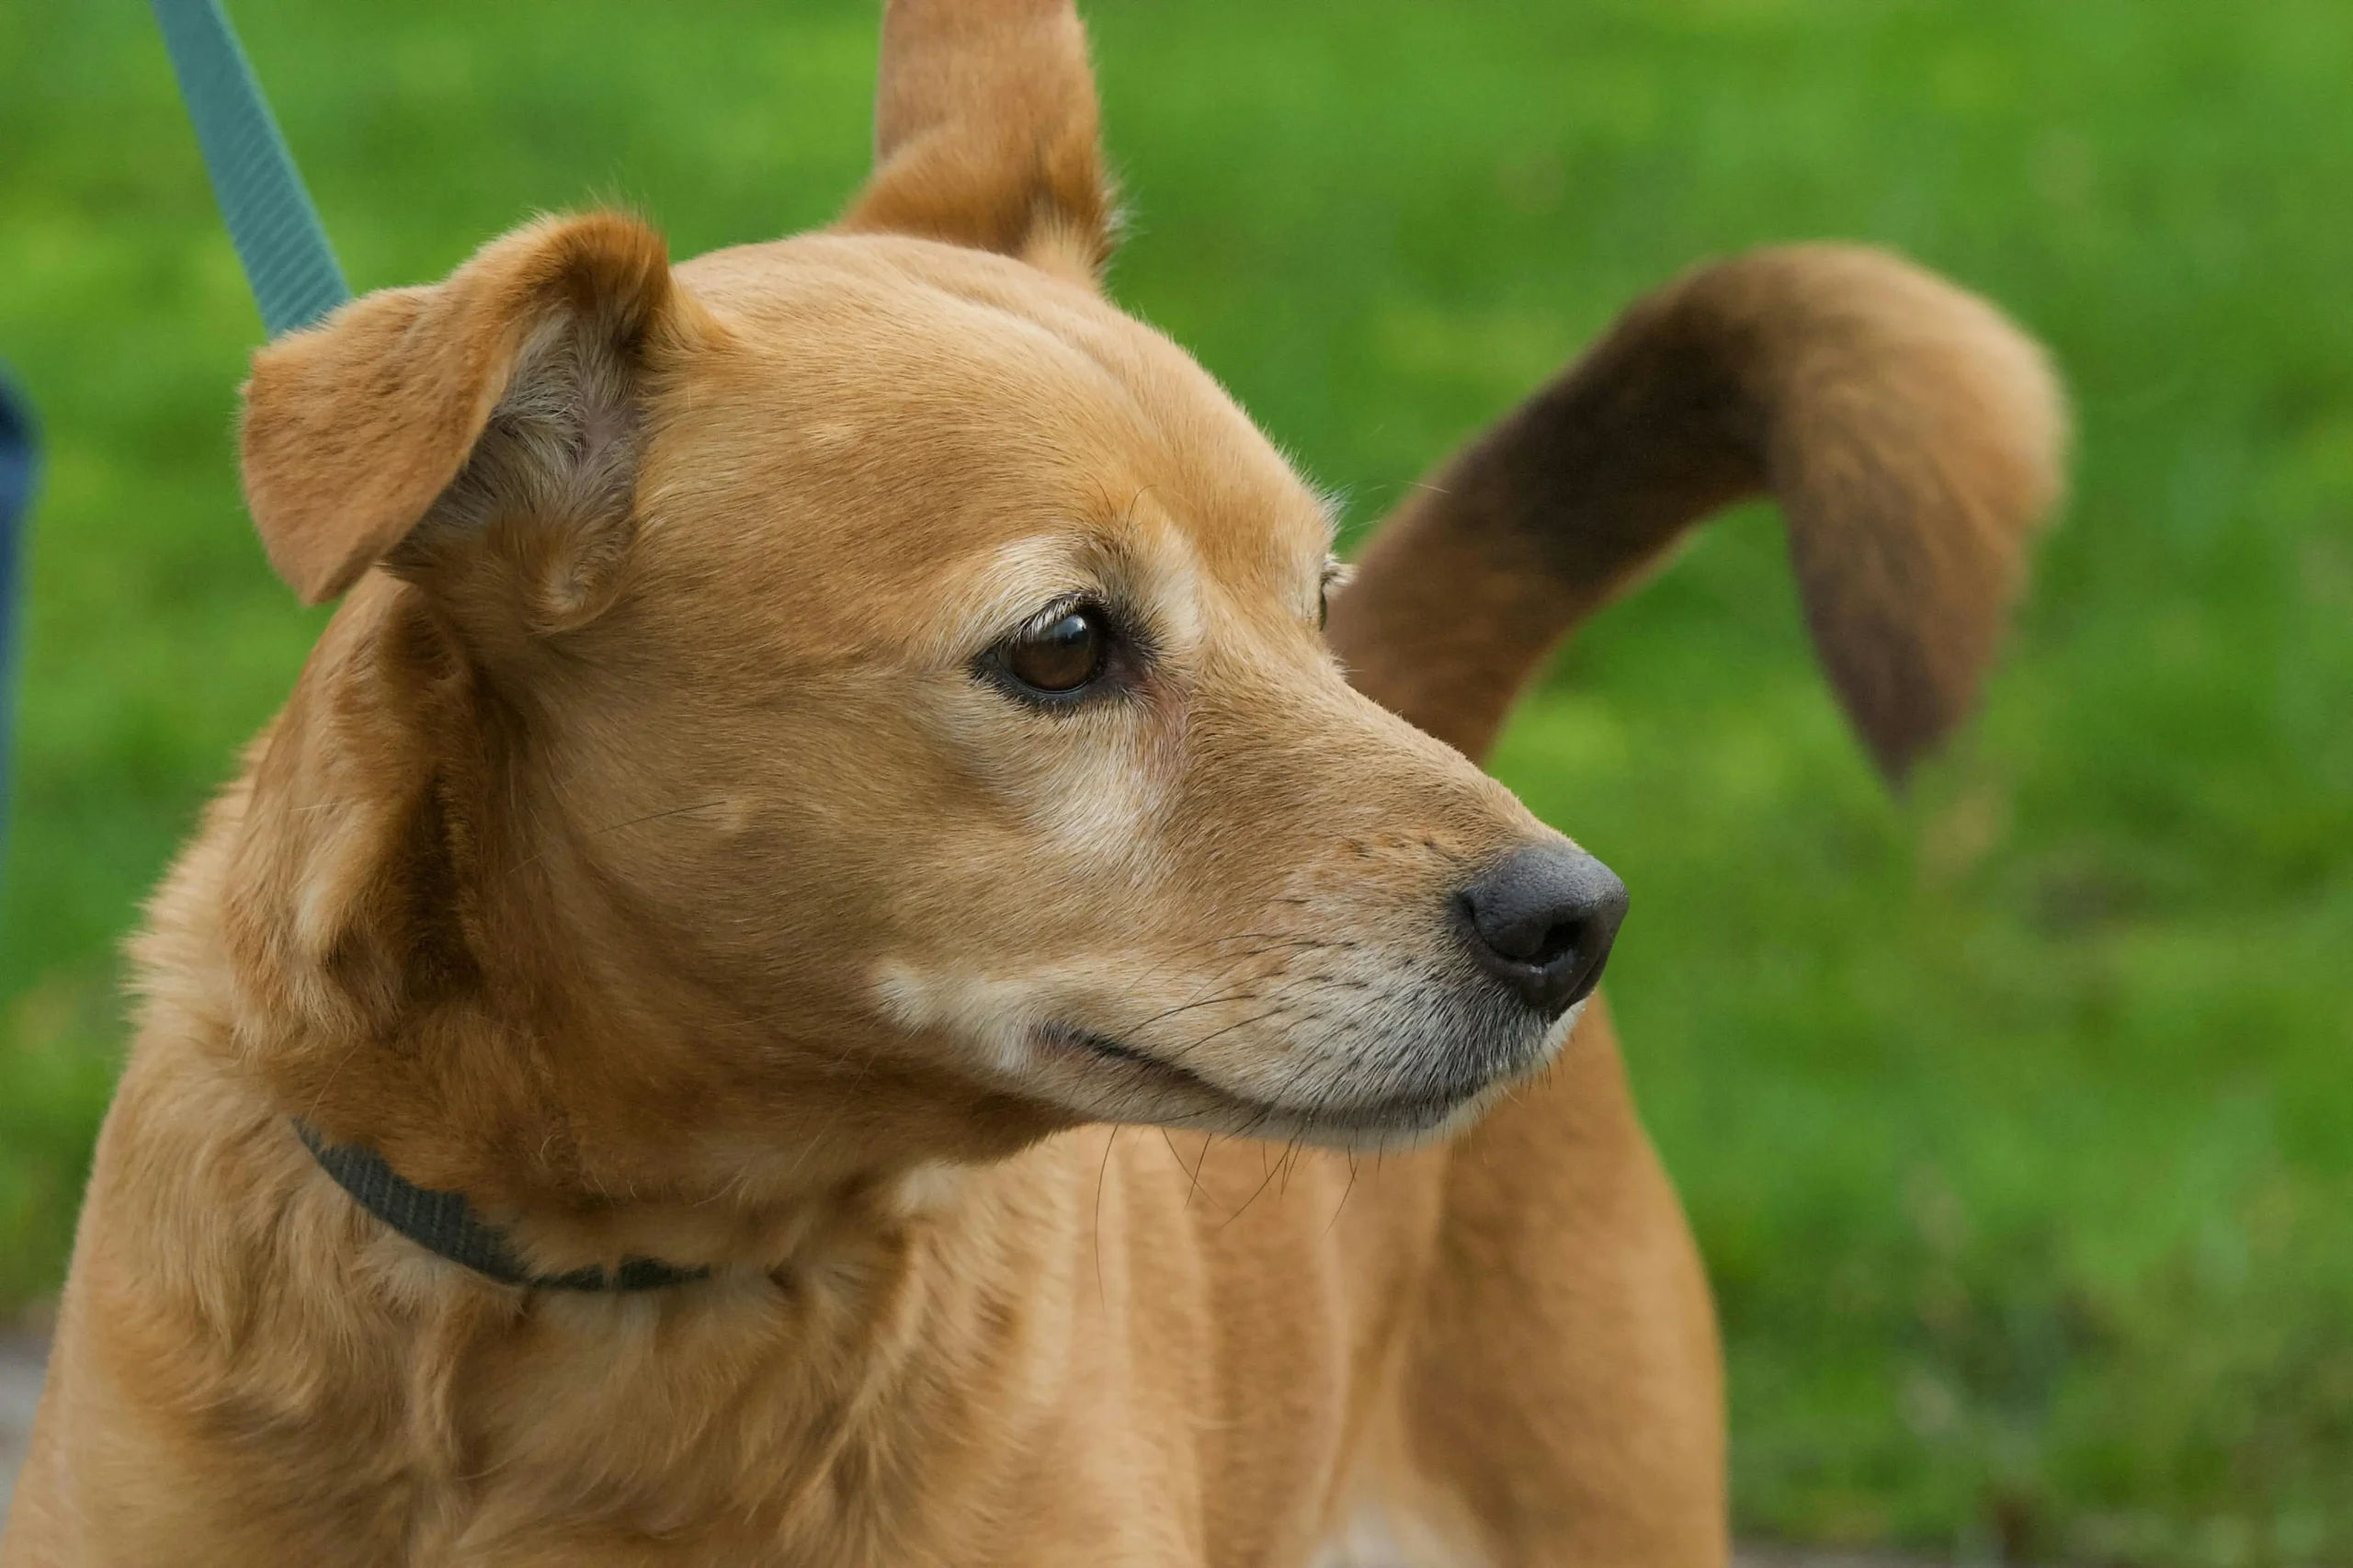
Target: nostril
(1538, 938)
(1557, 940)
(1541, 920)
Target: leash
(280, 243)
(287, 258)
(292, 268)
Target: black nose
(1541, 920)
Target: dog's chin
(1103, 1078)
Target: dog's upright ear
(480, 434)
(985, 133)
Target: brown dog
(822, 744)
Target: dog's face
(910, 667)
(977, 633)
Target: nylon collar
(445, 1224)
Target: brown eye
(1061, 656)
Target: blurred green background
(2015, 1117)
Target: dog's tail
(1912, 435)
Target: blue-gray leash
(287, 261)
(286, 256)
(296, 281)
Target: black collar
(445, 1223)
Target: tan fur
(644, 854)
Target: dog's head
(862, 686)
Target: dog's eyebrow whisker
(1128, 512)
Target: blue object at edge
(19, 471)
(280, 243)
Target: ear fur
(985, 133)
(512, 385)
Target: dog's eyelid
(1127, 620)
(1055, 608)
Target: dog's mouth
(1130, 1084)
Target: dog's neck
(849, 1351)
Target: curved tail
(1911, 434)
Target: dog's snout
(1541, 920)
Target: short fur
(646, 853)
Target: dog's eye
(1061, 654)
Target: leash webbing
(287, 261)
(291, 268)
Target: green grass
(2015, 1118)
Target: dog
(825, 965)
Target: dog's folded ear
(492, 418)
(985, 133)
